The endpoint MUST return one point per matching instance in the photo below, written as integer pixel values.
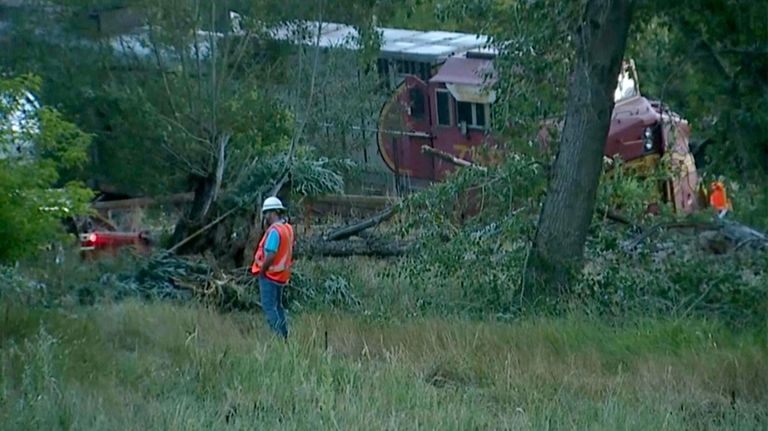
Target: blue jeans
(272, 304)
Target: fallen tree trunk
(718, 237)
(348, 231)
(618, 218)
(740, 232)
(313, 247)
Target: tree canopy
(38, 148)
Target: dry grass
(159, 366)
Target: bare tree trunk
(569, 204)
(206, 192)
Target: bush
(475, 265)
(35, 195)
(675, 277)
(472, 238)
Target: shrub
(35, 196)
(475, 265)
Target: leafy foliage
(473, 234)
(474, 264)
(704, 60)
(708, 61)
(34, 198)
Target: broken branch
(425, 149)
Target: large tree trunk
(206, 191)
(195, 215)
(570, 201)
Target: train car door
(419, 126)
(404, 126)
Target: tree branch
(425, 149)
(300, 130)
(349, 231)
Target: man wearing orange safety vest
(272, 262)
(718, 199)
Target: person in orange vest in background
(272, 263)
(718, 199)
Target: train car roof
(397, 44)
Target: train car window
(443, 107)
(474, 114)
(481, 114)
(464, 113)
(424, 71)
(403, 67)
(417, 103)
(383, 68)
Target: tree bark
(569, 205)
(206, 192)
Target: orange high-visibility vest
(280, 270)
(717, 198)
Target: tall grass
(158, 366)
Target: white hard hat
(272, 203)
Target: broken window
(443, 107)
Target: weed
(134, 365)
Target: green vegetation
(37, 149)
(159, 366)
(656, 330)
(477, 268)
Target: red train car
(451, 112)
(442, 97)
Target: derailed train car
(442, 94)
(451, 112)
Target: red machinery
(98, 242)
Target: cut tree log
(349, 231)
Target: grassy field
(160, 366)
